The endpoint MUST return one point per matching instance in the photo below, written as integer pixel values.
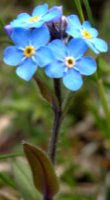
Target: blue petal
(23, 16)
(26, 70)
(40, 37)
(74, 26)
(19, 23)
(76, 33)
(40, 10)
(100, 44)
(86, 24)
(44, 56)
(77, 47)
(86, 66)
(72, 80)
(74, 21)
(55, 70)
(92, 46)
(20, 37)
(12, 56)
(53, 13)
(58, 49)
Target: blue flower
(87, 33)
(40, 15)
(69, 63)
(29, 51)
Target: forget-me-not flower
(39, 16)
(29, 51)
(87, 33)
(69, 63)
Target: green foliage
(75, 197)
(5, 179)
(23, 179)
(44, 176)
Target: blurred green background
(83, 159)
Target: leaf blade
(44, 176)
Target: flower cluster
(54, 42)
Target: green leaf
(23, 179)
(6, 179)
(2, 23)
(44, 176)
(11, 155)
(45, 91)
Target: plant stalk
(79, 9)
(57, 121)
(55, 133)
(100, 84)
(46, 197)
(89, 12)
(56, 126)
(103, 99)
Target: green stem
(57, 110)
(88, 10)
(2, 23)
(13, 155)
(103, 99)
(79, 9)
(57, 121)
(99, 77)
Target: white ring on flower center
(70, 62)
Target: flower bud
(8, 29)
(57, 28)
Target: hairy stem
(57, 89)
(56, 126)
(56, 122)
(55, 133)
(46, 197)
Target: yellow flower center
(86, 34)
(29, 51)
(70, 62)
(34, 19)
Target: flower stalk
(56, 127)
(57, 121)
(103, 100)
(46, 197)
(79, 8)
(89, 12)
